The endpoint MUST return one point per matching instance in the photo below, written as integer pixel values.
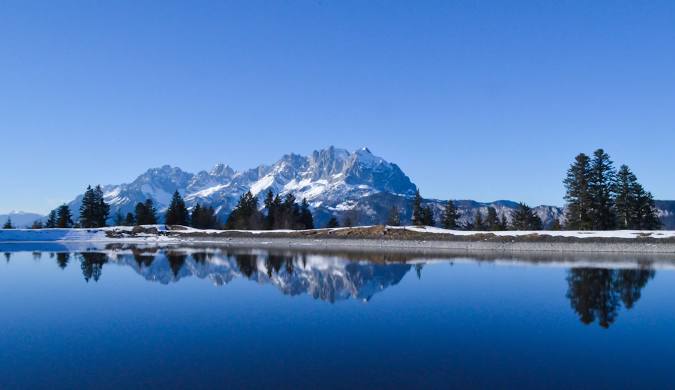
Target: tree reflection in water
(92, 265)
(597, 293)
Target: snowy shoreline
(371, 237)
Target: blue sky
(473, 99)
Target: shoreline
(371, 238)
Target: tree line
(601, 198)
(277, 213)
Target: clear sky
(473, 99)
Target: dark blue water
(195, 318)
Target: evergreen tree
(524, 218)
(37, 225)
(635, 208)
(417, 210)
(271, 210)
(646, 214)
(600, 187)
(245, 215)
(478, 223)
(394, 218)
(556, 226)
(93, 210)
(492, 221)
(64, 218)
(146, 214)
(8, 224)
(204, 217)
(332, 223)
(118, 219)
(129, 220)
(578, 196)
(51, 219)
(625, 201)
(101, 207)
(306, 220)
(427, 216)
(177, 213)
(503, 223)
(450, 216)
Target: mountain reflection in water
(595, 294)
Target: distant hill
(20, 218)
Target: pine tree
(87, 209)
(146, 214)
(556, 226)
(129, 220)
(524, 218)
(177, 213)
(600, 187)
(492, 221)
(625, 201)
(450, 216)
(51, 219)
(394, 218)
(101, 207)
(635, 208)
(118, 219)
(64, 218)
(306, 220)
(503, 222)
(8, 224)
(478, 223)
(93, 210)
(37, 225)
(271, 210)
(245, 215)
(417, 210)
(428, 216)
(578, 196)
(332, 223)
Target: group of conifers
(598, 197)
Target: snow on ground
(99, 234)
(551, 233)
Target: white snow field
(99, 234)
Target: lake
(196, 317)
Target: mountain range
(336, 182)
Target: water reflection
(596, 294)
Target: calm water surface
(205, 318)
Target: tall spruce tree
(601, 190)
(579, 214)
(492, 220)
(146, 214)
(332, 223)
(51, 219)
(524, 218)
(64, 218)
(478, 223)
(94, 210)
(417, 210)
(204, 217)
(177, 213)
(129, 220)
(245, 215)
(625, 201)
(450, 216)
(635, 208)
(306, 220)
(427, 215)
